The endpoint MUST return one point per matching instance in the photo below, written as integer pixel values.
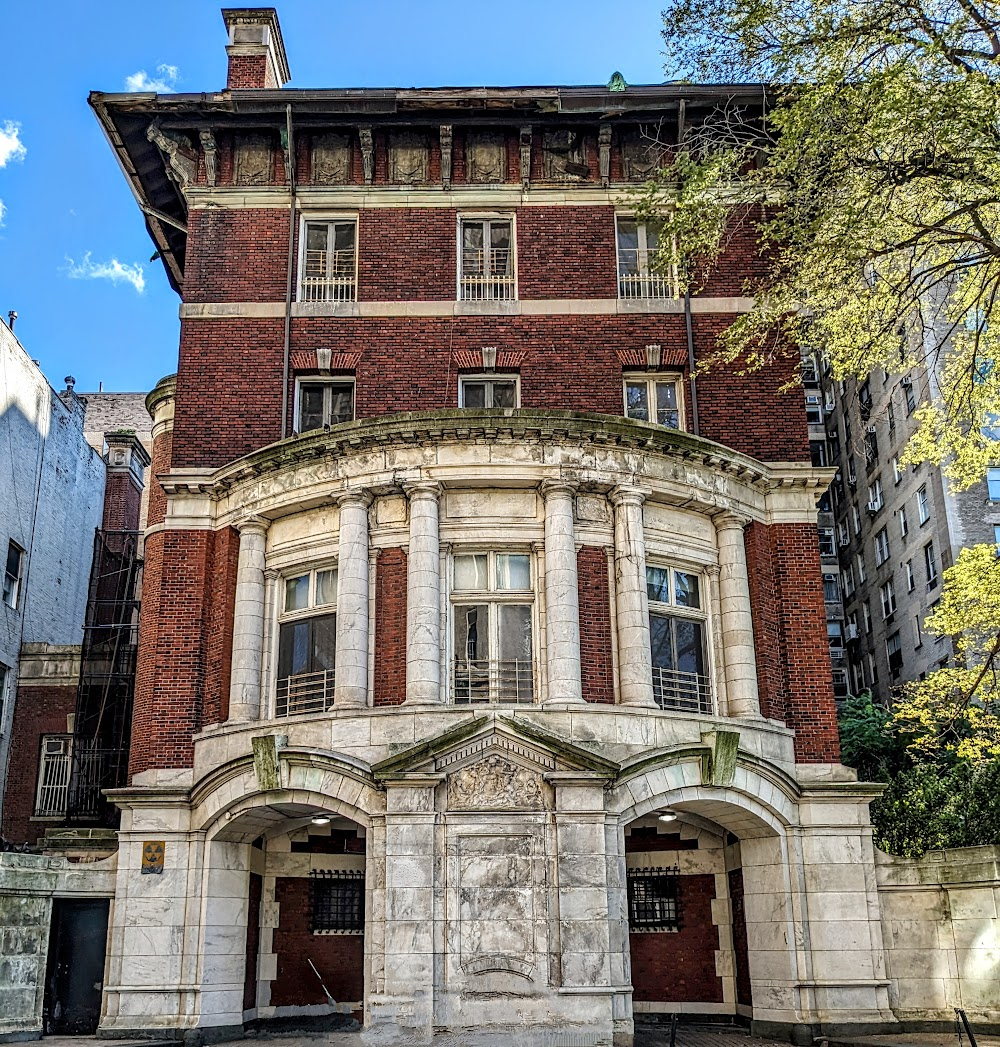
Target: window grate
(654, 899)
(336, 901)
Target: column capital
(730, 521)
(713, 570)
(359, 496)
(556, 487)
(252, 525)
(628, 494)
(423, 489)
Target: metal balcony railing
(646, 285)
(53, 784)
(477, 681)
(487, 278)
(684, 692)
(328, 278)
(305, 693)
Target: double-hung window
(642, 273)
(677, 636)
(930, 562)
(328, 263)
(322, 403)
(923, 505)
(307, 643)
(492, 607)
(477, 391)
(881, 547)
(654, 398)
(486, 260)
(12, 574)
(888, 594)
(993, 485)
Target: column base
(563, 700)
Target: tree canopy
(872, 181)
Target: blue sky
(74, 253)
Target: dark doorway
(75, 973)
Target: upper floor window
(923, 505)
(492, 613)
(881, 547)
(930, 562)
(650, 398)
(307, 643)
(888, 595)
(910, 395)
(328, 263)
(55, 763)
(639, 274)
(324, 403)
(12, 574)
(904, 523)
(876, 496)
(993, 484)
(477, 391)
(486, 260)
(677, 640)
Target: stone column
(737, 623)
(351, 687)
(248, 622)
(423, 596)
(635, 663)
(562, 595)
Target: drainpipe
(290, 174)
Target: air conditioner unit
(906, 380)
(845, 542)
(852, 482)
(871, 429)
(829, 405)
(814, 401)
(873, 507)
(851, 631)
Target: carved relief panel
(564, 156)
(486, 157)
(409, 158)
(496, 784)
(330, 159)
(642, 155)
(253, 160)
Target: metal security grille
(654, 899)
(337, 901)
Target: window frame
(923, 505)
(40, 810)
(665, 906)
(11, 593)
(324, 381)
(486, 217)
(329, 220)
(993, 485)
(887, 595)
(305, 701)
(324, 910)
(931, 565)
(647, 278)
(491, 378)
(493, 597)
(651, 378)
(881, 546)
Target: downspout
(691, 361)
(286, 364)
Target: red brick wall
(220, 613)
(390, 627)
(741, 952)
(236, 255)
(566, 252)
(339, 958)
(679, 967)
(793, 656)
(249, 71)
(37, 711)
(407, 254)
(122, 499)
(156, 510)
(597, 669)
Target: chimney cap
(262, 16)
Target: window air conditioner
(814, 401)
(906, 380)
(873, 507)
(845, 542)
(870, 429)
(851, 631)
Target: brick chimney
(256, 51)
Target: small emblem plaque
(152, 856)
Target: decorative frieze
(485, 158)
(564, 156)
(604, 154)
(367, 153)
(445, 139)
(642, 155)
(330, 159)
(496, 784)
(409, 158)
(253, 160)
(525, 157)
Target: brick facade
(122, 502)
(597, 666)
(37, 711)
(390, 627)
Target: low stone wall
(28, 883)
(941, 928)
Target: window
(487, 392)
(897, 473)
(843, 534)
(865, 399)
(337, 901)
(918, 634)
(639, 272)
(831, 588)
(826, 546)
(4, 673)
(835, 637)
(847, 579)
(856, 520)
(930, 561)
(12, 574)
(487, 260)
(307, 643)
(894, 652)
(858, 672)
(881, 547)
(862, 570)
(677, 640)
(872, 670)
(492, 609)
(876, 497)
(653, 899)
(817, 453)
(840, 689)
(888, 594)
(909, 576)
(911, 397)
(890, 415)
(53, 775)
(993, 484)
(923, 505)
(871, 446)
(327, 266)
(648, 396)
(852, 472)
(324, 403)
(904, 523)
(814, 412)
(866, 616)
(810, 373)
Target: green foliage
(866, 742)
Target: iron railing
(487, 278)
(305, 693)
(94, 770)
(483, 680)
(328, 277)
(53, 783)
(684, 692)
(646, 285)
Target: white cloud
(163, 84)
(115, 271)
(3, 211)
(11, 146)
